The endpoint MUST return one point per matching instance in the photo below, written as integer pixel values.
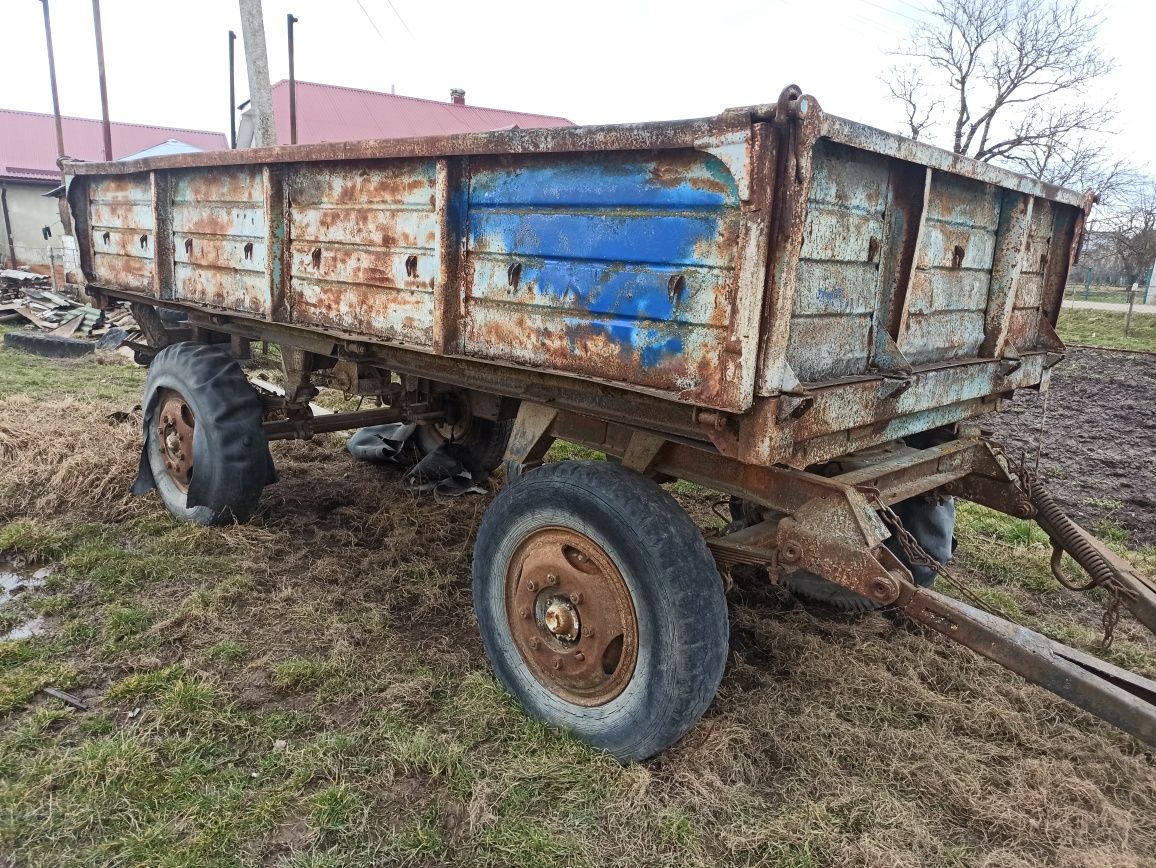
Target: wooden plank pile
(27, 299)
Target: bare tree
(907, 87)
(1129, 231)
(1019, 75)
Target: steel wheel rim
(176, 425)
(571, 616)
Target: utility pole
(257, 65)
(232, 93)
(105, 126)
(291, 20)
(52, 81)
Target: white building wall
(29, 211)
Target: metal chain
(917, 555)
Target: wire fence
(1108, 294)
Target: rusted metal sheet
(824, 285)
(837, 282)
(219, 245)
(617, 265)
(120, 218)
(363, 250)
(947, 300)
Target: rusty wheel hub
(571, 616)
(175, 425)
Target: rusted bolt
(884, 588)
(579, 656)
(551, 579)
(711, 419)
(524, 612)
(576, 597)
(557, 662)
(588, 632)
(534, 642)
(532, 585)
(790, 552)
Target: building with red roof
(329, 113)
(325, 113)
(28, 170)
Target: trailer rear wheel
(205, 451)
(600, 606)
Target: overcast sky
(593, 62)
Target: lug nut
(579, 656)
(551, 579)
(525, 613)
(534, 643)
(588, 632)
(557, 662)
(532, 585)
(576, 597)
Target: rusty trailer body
(765, 302)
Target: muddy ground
(1098, 453)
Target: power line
(371, 22)
(402, 20)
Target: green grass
(310, 690)
(1106, 329)
(118, 381)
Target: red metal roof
(328, 113)
(28, 142)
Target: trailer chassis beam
(1120, 697)
(829, 525)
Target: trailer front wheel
(600, 606)
(205, 451)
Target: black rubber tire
(486, 441)
(677, 594)
(52, 346)
(814, 588)
(231, 458)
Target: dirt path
(1099, 441)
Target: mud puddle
(16, 579)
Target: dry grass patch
(309, 689)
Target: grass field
(309, 690)
(1106, 329)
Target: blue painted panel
(680, 181)
(627, 265)
(649, 237)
